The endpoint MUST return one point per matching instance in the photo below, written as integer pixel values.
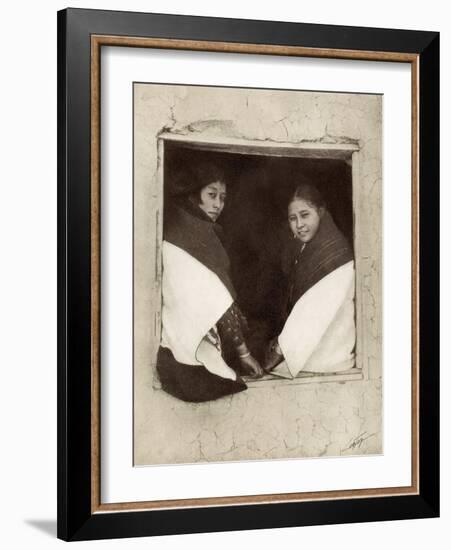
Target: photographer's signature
(356, 443)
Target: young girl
(318, 332)
(199, 311)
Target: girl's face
(212, 199)
(304, 219)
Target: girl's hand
(273, 356)
(251, 366)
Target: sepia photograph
(257, 274)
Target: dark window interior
(254, 220)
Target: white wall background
(28, 274)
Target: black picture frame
(76, 519)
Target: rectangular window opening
(263, 176)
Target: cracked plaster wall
(308, 420)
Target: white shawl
(319, 334)
(194, 299)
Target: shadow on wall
(47, 526)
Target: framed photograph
(248, 274)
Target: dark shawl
(189, 228)
(193, 383)
(305, 266)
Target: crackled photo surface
(257, 274)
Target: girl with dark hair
(199, 311)
(318, 332)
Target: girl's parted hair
(195, 177)
(307, 192)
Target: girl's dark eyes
(213, 196)
(303, 216)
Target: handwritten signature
(356, 443)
